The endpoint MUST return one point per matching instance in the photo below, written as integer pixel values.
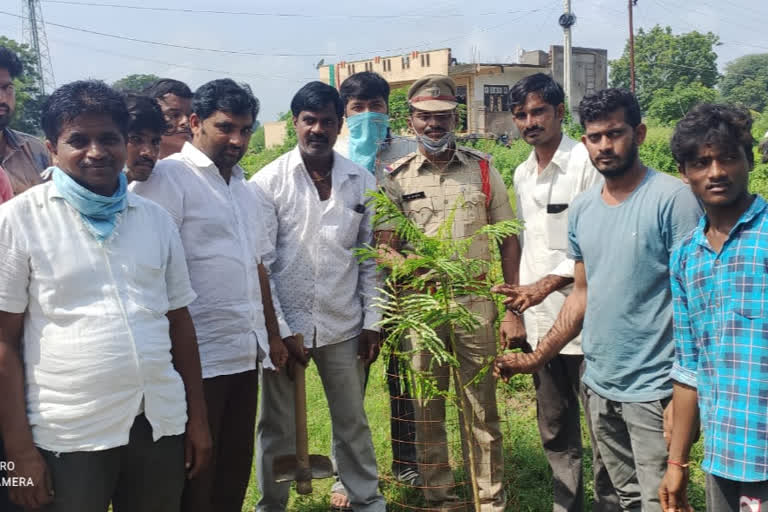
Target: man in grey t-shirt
(621, 235)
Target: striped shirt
(720, 308)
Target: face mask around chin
(366, 132)
(434, 147)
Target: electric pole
(567, 20)
(631, 48)
(33, 34)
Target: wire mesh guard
(428, 436)
(439, 320)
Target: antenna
(33, 34)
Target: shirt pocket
(419, 211)
(749, 295)
(345, 227)
(556, 225)
(474, 210)
(146, 287)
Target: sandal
(339, 490)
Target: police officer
(426, 185)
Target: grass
(528, 482)
(527, 479)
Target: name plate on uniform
(415, 195)
(556, 208)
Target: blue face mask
(366, 133)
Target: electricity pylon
(33, 34)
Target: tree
(669, 105)
(258, 143)
(398, 110)
(746, 81)
(29, 100)
(664, 60)
(134, 83)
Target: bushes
(758, 181)
(504, 159)
(655, 151)
(258, 156)
(253, 162)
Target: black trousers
(402, 422)
(142, 476)
(231, 401)
(725, 495)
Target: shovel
(301, 467)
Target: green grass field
(528, 482)
(527, 478)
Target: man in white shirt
(557, 170)
(318, 217)
(204, 190)
(93, 293)
(175, 100)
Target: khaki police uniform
(427, 195)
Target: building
(274, 133)
(398, 70)
(482, 87)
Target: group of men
(148, 292)
(669, 303)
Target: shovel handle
(303, 473)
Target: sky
(275, 46)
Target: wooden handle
(303, 471)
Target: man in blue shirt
(719, 278)
(621, 234)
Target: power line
(273, 14)
(718, 8)
(172, 45)
(440, 42)
(666, 6)
(183, 66)
(263, 54)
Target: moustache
(183, 131)
(528, 131)
(5, 106)
(315, 138)
(144, 161)
(106, 162)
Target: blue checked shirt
(720, 308)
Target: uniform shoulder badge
(475, 153)
(397, 165)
